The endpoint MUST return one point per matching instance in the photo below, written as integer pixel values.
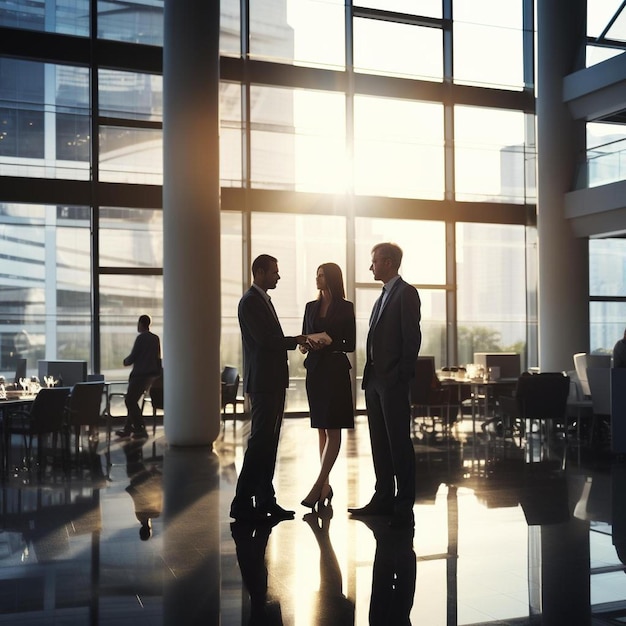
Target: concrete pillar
(563, 259)
(191, 222)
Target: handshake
(315, 341)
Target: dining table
(12, 400)
(482, 393)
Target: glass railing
(604, 164)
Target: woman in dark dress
(328, 383)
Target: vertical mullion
(452, 351)
(246, 141)
(349, 154)
(95, 202)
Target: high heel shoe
(325, 500)
(310, 504)
(321, 500)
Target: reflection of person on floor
(251, 543)
(145, 488)
(332, 607)
(393, 575)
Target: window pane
(130, 95)
(45, 284)
(490, 155)
(488, 43)
(398, 148)
(606, 155)
(131, 155)
(139, 21)
(232, 273)
(21, 134)
(73, 133)
(607, 268)
(300, 243)
(607, 323)
(122, 300)
(427, 8)
(231, 129)
(490, 12)
(423, 244)
(298, 140)
(597, 54)
(131, 238)
(70, 17)
(365, 299)
(230, 27)
(599, 14)
(44, 123)
(382, 47)
(294, 35)
(491, 289)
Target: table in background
(13, 400)
(481, 392)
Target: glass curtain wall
(402, 126)
(607, 291)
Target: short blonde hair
(390, 251)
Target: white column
(563, 259)
(191, 222)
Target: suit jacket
(396, 338)
(339, 324)
(265, 346)
(145, 357)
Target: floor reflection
(146, 485)
(251, 542)
(393, 575)
(498, 539)
(331, 606)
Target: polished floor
(503, 535)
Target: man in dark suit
(145, 357)
(266, 376)
(393, 343)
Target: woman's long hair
(334, 280)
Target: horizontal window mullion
(131, 271)
(130, 123)
(399, 18)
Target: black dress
(328, 384)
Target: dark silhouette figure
(250, 544)
(145, 488)
(393, 343)
(393, 575)
(332, 607)
(266, 376)
(145, 357)
(328, 385)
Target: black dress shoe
(244, 513)
(370, 509)
(277, 511)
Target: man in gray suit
(265, 378)
(393, 343)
